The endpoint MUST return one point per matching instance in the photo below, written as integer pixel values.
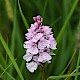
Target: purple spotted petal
(37, 37)
(44, 57)
(27, 57)
(33, 50)
(32, 66)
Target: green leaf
(76, 76)
(23, 18)
(4, 71)
(12, 46)
(2, 59)
(62, 76)
(44, 9)
(11, 57)
(67, 20)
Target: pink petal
(44, 57)
(43, 44)
(47, 30)
(32, 66)
(36, 24)
(33, 50)
(52, 54)
(37, 37)
(27, 44)
(29, 35)
(27, 57)
(32, 28)
(53, 45)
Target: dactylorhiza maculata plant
(39, 42)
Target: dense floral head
(39, 42)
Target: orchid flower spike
(39, 42)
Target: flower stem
(43, 72)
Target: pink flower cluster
(39, 42)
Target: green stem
(43, 72)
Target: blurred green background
(64, 18)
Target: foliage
(64, 18)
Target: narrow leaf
(67, 20)
(23, 18)
(11, 57)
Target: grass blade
(55, 21)
(62, 76)
(23, 18)
(2, 59)
(4, 70)
(11, 57)
(44, 9)
(12, 46)
(76, 76)
(67, 20)
(12, 78)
